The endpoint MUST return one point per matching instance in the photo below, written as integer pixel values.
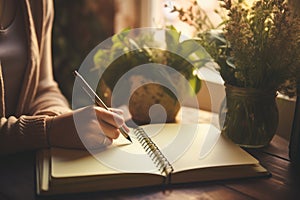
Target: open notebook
(160, 154)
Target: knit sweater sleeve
(23, 133)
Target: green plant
(257, 48)
(258, 45)
(130, 48)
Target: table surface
(17, 181)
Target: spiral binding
(153, 151)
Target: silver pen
(92, 94)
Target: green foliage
(258, 46)
(130, 49)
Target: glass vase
(248, 116)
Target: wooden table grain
(17, 181)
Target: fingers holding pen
(110, 121)
(117, 111)
(89, 127)
(112, 118)
(109, 130)
(121, 114)
(104, 115)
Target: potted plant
(142, 68)
(257, 48)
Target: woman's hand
(90, 127)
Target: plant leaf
(172, 38)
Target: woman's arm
(28, 132)
(49, 121)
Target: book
(160, 154)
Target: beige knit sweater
(40, 95)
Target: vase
(248, 116)
(294, 145)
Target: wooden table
(17, 181)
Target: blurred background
(80, 25)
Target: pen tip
(128, 138)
